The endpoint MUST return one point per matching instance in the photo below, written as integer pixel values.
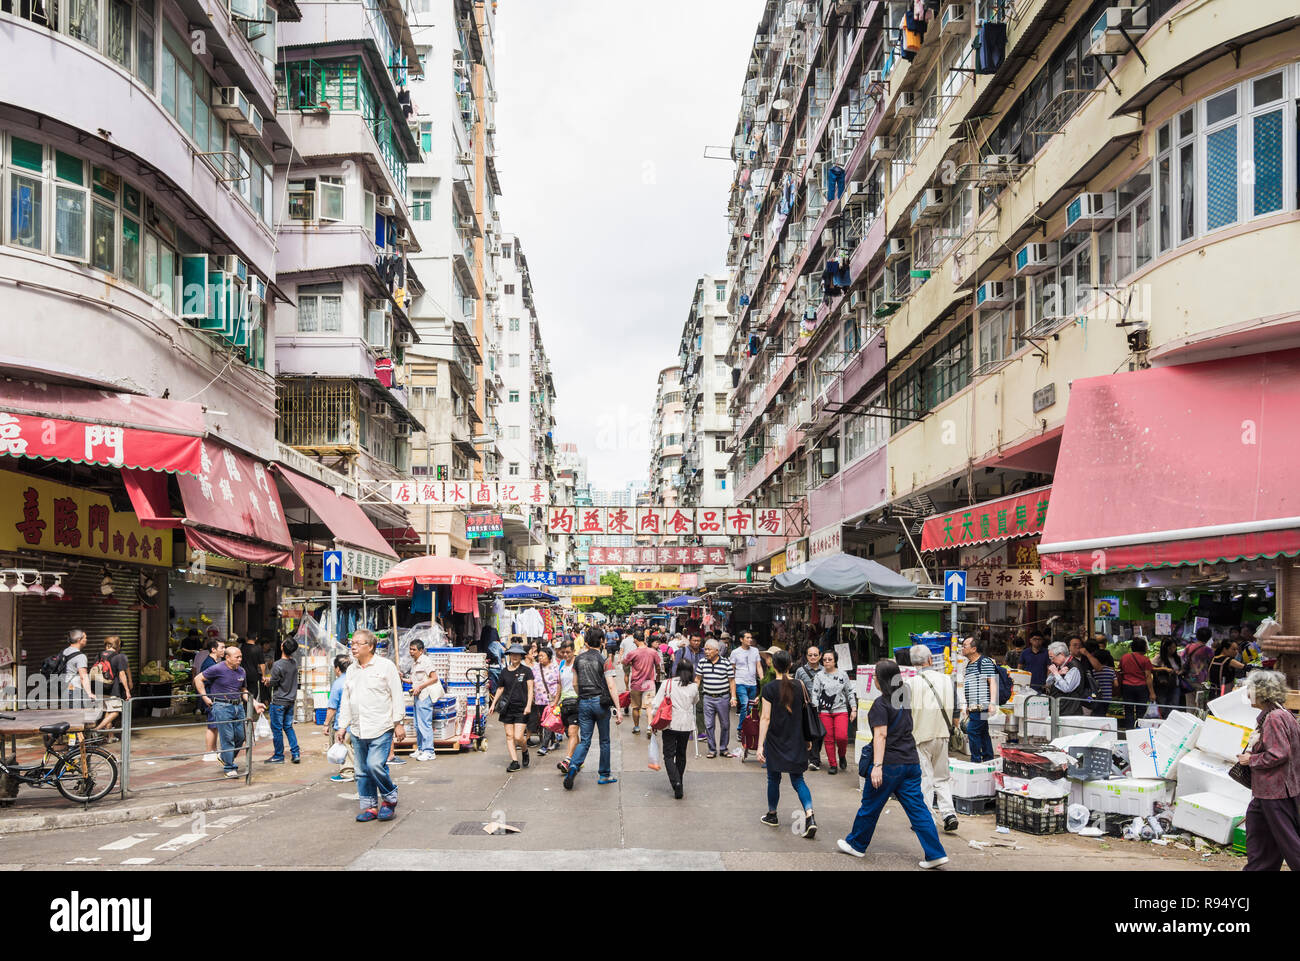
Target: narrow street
(635, 823)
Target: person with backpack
(980, 697)
(114, 670)
(75, 673)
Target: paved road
(632, 824)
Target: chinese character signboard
(471, 493)
(39, 515)
(233, 492)
(570, 580)
(483, 525)
(536, 577)
(996, 520)
(1016, 584)
(657, 556)
(662, 521)
(828, 540)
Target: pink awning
(342, 515)
(429, 571)
(84, 426)
(231, 507)
(1178, 465)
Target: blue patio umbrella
(681, 600)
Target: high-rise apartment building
(666, 438)
(706, 387)
(990, 259)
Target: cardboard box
(1209, 815)
(1201, 773)
(1136, 797)
(973, 779)
(1223, 738)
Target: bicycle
(63, 771)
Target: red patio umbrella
(400, 581)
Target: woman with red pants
(837, 701)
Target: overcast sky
(604, 111)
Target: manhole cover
(476, 828)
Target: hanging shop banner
(796, 554)
(778, 564)
(570, 580)
(666, 521)
(536, 577)
(689, 582)
(657, 556)
(483, 525)
(996, 520)
(828, 540)
(363, 564)
(661, 581)
(1016, 584)
(589, 593)
(1024, 554)
(40, 515)
(471, 493)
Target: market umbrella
(426, 571)
(681, 600)
(844, 575)
(522, 592)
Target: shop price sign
(1007, 517)
(1016, 584)
(40, 515)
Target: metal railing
(127, 758)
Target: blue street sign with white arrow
(333, 564)
(954, 586)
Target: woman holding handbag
(1271, 768)
(784, 734)
(546, 684)
(676, 698)
(837, 704)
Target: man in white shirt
(746, 659)
(423, 679)
(932, 698)
(374, 708)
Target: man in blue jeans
(284, 695)
(593, 682)
(221, 687)
(981, 697)
(374, 707)
(746, 661)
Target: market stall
(427, 584)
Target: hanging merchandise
(464, 598)
(990, 46)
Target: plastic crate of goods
(1239, 838)
(1028, 765)
(1031, 815)
(460, 663)
(973, 806)
(320, 714)
(972, 779)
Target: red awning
(231, 507)
(429, 571)
(342, 515)
(1178, 465)
(1019, 515)
(99, 427)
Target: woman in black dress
(783, 743)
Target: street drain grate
(466, 828)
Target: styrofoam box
(1020, 678)
(1201, 773)
(1082, 722)
(1143, 752)
(1235, 707)
(1123, 795)
(1223, 738)
(1209, 815)
(973, 779)
(1151, 722)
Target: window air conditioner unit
(466, 222)
(999, 159)
(384, 204)
(248, 124)
(789, 467)
(1088, 211)
(875, 76)
(1035, 258)
(906, 105)
(883, 147)
(927, 208)
(898, 247)
(465, 159)
(993, 293)
(379, 409)
(801, 145)
(402, 430)
(459, 64)
(761, 41)
(1107, 34)
(954, 20)
(405, 338)
(855, 300)
(233, 265)
(230, 103)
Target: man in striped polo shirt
(717, 678)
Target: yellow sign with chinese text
(40, 515)
(778, 564)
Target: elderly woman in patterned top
(1273, 754)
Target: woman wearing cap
(513, 700)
